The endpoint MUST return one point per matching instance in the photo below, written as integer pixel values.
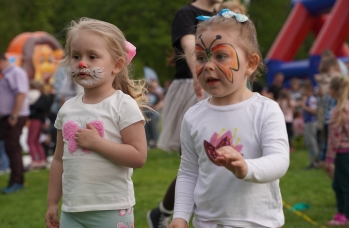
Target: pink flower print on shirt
(219, 140)
(122, 212)
(123, 225)
(69, 130)
(71, 127)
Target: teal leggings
(97, 219)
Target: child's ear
(118, 65)
(252, 64)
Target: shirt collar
(7, 69)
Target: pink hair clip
(131, 51)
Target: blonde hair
(37, 84)
(235, 6)
(115, 40)
(340, 92)
(247, 32)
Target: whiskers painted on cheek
(95, 72)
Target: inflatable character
(37, 53)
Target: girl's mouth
(212, 81)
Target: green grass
(27, 208)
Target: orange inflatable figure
(37, 53)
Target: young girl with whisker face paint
(234, 143)
(101, 133)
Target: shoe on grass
(15, 187)
(338, 220)
(158, 219)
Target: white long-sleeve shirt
(256, 128)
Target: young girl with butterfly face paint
(234, 143)
(100, 132)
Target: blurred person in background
(235, 6)
(38, 112)
(309, 105)
(276, 86)
(295, 92)
(287, 106)
(14, 112)
(155, 102)
(328, 69)
(338, 148)
(4, 163)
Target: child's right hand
(51, 217)
(232, 160)
(178, 223)
(198, 90)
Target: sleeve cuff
(249, 172)
(184, 216)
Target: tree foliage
(146, 23)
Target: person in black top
(183, 93)
(257, 86)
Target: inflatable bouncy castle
(329, 22)
(37, 53)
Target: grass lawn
(27, 208)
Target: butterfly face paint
(223, 55)
(87, 76)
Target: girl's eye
(93, 56)
(75, 57)
(220, 57)
(200, 59)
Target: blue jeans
(151, 127)
(4, 163)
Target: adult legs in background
(36, 150)
(4, 162)
(14, 153)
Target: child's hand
(86, 138)
(178, 223)
(232, 160)
(51, 217)
(198, 90)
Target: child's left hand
(232, 160)
(86, 138)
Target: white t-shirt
(92, 182)
(256, 128)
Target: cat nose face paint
(81, 64)
(223, 55)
